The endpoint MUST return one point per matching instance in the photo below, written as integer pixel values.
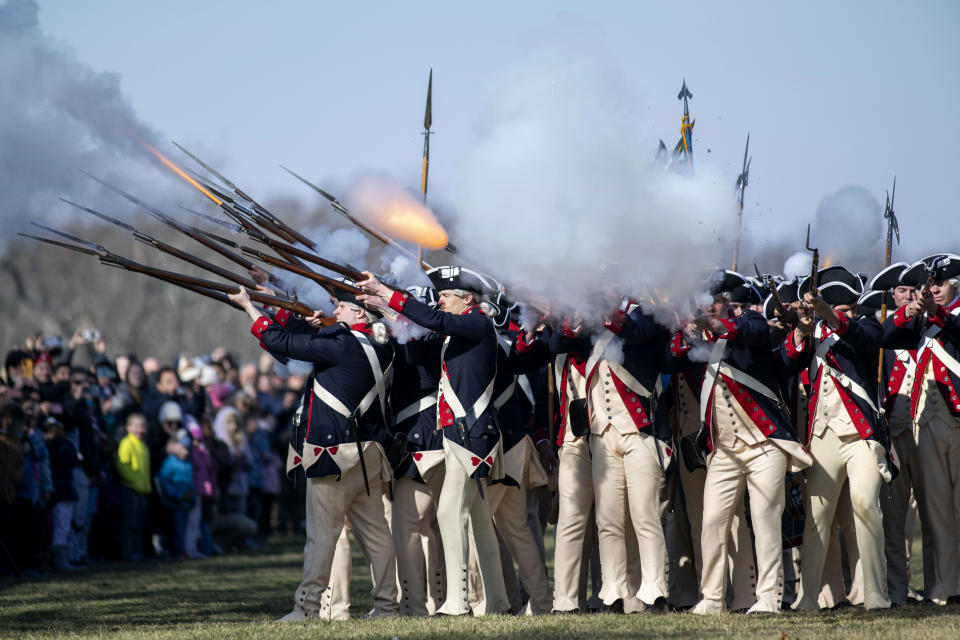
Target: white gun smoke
(559, 196)
(58, 114)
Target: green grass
(239, 596)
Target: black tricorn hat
(888, 278)
(837, 285)
(725, 281)
(444, 278)
(787, 290)
(426, 295)
(940, 266)
(872, 300)
(347, 296)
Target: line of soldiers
(690, 462)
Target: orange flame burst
(413, 223)
(827, 262)
(183, 174)
(391, 209)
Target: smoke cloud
(57, 114)
(559, 194)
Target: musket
(286, 231)
(325, 281)
(203, 237)
(814, 264)
(164, 247)
(363, 227)
(783, 312)
(112, 259)
(741, 187)
(217, 221)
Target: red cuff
(844, 324)
(677, 346)
(398, 301)
(731, 326)
(260, 326)
(792, 350)
(522, 345)
(940, 317)
(568, 332)
(615, 324)
(283, 316)
(900, 319)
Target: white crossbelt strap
(820, 364)
(377, 391)
(929, 338)
(501, 399)
(710, 376)
(524, 383)
(505, 395)
(597, 353)
(748, 381)
(415, 408)
(945, 358)
(455, 405)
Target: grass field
(239, 596)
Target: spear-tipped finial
(427, 121)
(428, 115)
(888, 212)
(684, 95)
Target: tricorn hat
(940, 267)
(872, 300)
(787, 290)
(837, 285)
(888, 278)
(349, 297)
(444, 278)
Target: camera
(52, 343)
(90, 335)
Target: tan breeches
(419, 550)
(760, 469)
(627, 475)
(938, 450)
(462, 511)
(837, 460)
(330, 501)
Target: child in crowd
(133, 467)
(177, 489)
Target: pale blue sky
(833, 93)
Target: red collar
(361, 326)
(469, 310)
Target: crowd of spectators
(123, 458)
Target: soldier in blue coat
(340, 444)
(847, 440)
(752, 443)
(472, 445)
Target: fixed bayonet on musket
(262, 214)
(168, 249)
(109, 258)
(217, 221)
(742, 180)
